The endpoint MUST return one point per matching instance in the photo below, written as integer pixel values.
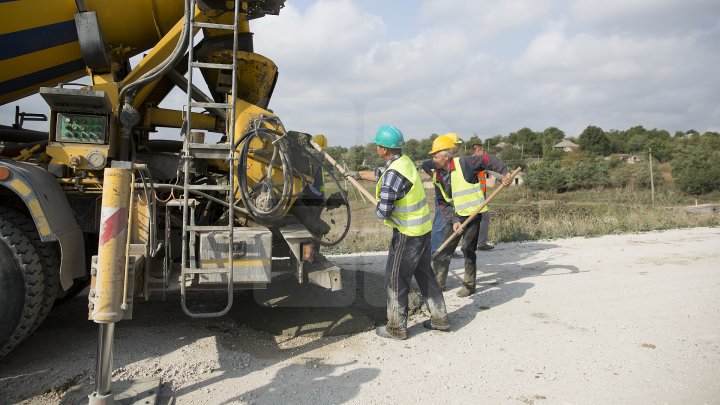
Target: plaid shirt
(394, 187)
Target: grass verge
(520, 215)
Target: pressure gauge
(96, 160)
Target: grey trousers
(484, 226)
(410, 256)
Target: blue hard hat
(389, 137)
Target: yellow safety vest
(411, 214)
(466, 197)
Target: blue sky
(490, 67)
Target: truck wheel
(11, 294)
(49, 260)
(21, 263)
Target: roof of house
(566, 144)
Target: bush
(636, 175)
(568, 175)
(545, 176)
(696, 170)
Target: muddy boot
(391, 333)
(468, 281)
(441, 273)
(442, 325)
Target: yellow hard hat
(442, 142)
(454, 137)
(321, 140)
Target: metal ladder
(200, 151)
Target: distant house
(502, 145)
(629, 159)
(567, 146)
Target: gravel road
(615, 319)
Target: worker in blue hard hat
(403, 206)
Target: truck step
(208, 228)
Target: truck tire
(21, 261)
(12, 293)
(49, 260)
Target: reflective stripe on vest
(411, 214)
(322, 177)
(466, 197)
(483, 180)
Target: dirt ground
(615, 319)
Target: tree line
(692, 156)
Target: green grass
(520, 214)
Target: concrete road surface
(631, 319)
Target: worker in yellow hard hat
(459, 194)
(313, 200)
(318, 187)
(321, 140)
(455, 138)
(447, 141)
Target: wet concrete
(289, 309)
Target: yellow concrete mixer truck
(99, 200)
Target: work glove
(353, 174)
(334, 200)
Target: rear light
(308, 251)
(4, 173)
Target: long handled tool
(355, 183)
(474, 214)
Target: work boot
(468, 281)
(441, 273)
(442, 325)
(466, 291)
(397, 334)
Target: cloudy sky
(490, 67)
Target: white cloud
(492, 67)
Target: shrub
(636, 175)
(568, 175)
(696, 171)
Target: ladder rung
(207, 228)
(218, 146)
(179, 202)
(205, 65)
(210, 105)
(209, 187)
(213, 270)
(228, 27)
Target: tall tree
(411, 149)
(593, 141)
(636, 139)
(550, 137)
(528, 140)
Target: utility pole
(652, 180)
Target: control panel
(81, 128)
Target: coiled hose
(260, 200)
